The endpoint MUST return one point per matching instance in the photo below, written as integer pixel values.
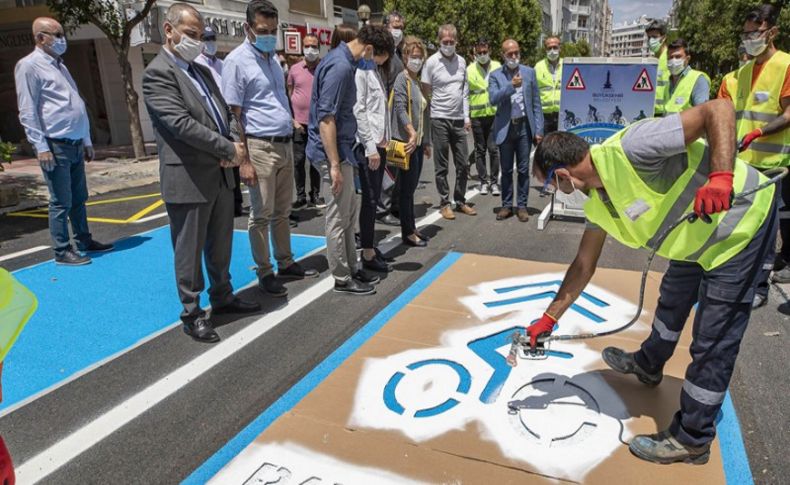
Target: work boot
(782, 276)
(447, 212)
(624, 363)
(663, 448)
(467, 209)
(523, 215)
(503, 213)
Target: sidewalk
(114, 168)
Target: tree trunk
(131, 103)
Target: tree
(575, 49)
(117, 25)
(495, 20)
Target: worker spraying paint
(643, 184)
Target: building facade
(629, 38)
(556, 17)
(589, 22)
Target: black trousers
(300, 174)
(782, 198)
(409, 180)
(550, 122)
(238, 199)
(370, 183)
(482, 130)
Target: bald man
(56, 123)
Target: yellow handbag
(396, 149)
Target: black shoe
(780, 262)
(624, 363)
(72, 258)
(297, 272)
(366, 278)
(317, 202)
(382, 257)
(390, 220)
(375, 264)
(422, 236)
(201, 330)
(270, 285)
(354, 287)
(300, 203)
(237, 306)
(419, 243)
(97, 247)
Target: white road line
(23, 253)
(59, 454)
(150, 218)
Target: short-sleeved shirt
(449, 89)
(334, 94)
(656, 149)
(300, 80)
(724, 93)
(257, 84)
(699, 93)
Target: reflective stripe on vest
(662, 82)
(680, 99)
(479, 106)
(550, 87)
(637, 216)
(757, 105)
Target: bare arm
(579, 273)
(780, 122)
(716, 121)
(246, 170)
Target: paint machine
(520, 347)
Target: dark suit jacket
(189, 142)
(499, 91)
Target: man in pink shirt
(300, 86)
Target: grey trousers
(450, 135)
(342, 213)
(197, 231)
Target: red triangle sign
(643, 82)
(576, 82)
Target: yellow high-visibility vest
(662, 83)
(479, 105)
(17, 305)
(550, 86)
(680, 99)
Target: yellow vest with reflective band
(636, 216)
(758, 105)
(730, 80)
(478, 90)
(680, 99)
(550, 87)
(17, 305)
(662, 82)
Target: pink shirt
(300, 78)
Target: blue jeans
(517, 145)
(68, 192)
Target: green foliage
(104, 14)
(6, 151)
(495, 20)
(712, 28)
(576, 49)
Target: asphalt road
(168, 441)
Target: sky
(629, 10)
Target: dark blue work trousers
(517, 146)
(725, 297)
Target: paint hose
(774, 176)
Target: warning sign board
(643, 82)
(576, 82)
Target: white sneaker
(495, 189)
(483, 189)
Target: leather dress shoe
(97, 247)
(363, 277)
(354, 287)
(297, 272)
(504, 213)
(72, 258)
(390, 220)
(237, 306)
(375, 264)
(419, 243)
(270, 285)
(201, 330)
(523, 215)
(384, 258)
(422, 236)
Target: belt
(66, 141)
(271, 139)
(518, 121)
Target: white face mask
(483, 58)
(755, 47)
(188, 48)
(311, 54)
(512, 63)
(210, 48)
(553, 54)
(676, 66)
(414, 65)
(447, 50)
(397, 36)
(654, 43)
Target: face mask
(654, 43)
(188, 48)
(397, 36)
(210, 48)
(676, 66)
(553, 54)
(266, 43)
(483, 58)
(447, 50)
(59, 46)
(311, 54)
(414, 65)
(755, 47)
(512, 63)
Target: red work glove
(6, 467)
(545, 324)
(714, 196)
(749, 138)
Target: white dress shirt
(370, 110)
(50, 106)
(214, 64)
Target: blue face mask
(59, 46)
(266, 43)
(366, 64)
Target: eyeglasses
(753, 35)
(58, 35)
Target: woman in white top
(373, 133)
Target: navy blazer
(500, 89)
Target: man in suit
(192, 126)
(513, 88)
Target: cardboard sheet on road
(425, 400)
